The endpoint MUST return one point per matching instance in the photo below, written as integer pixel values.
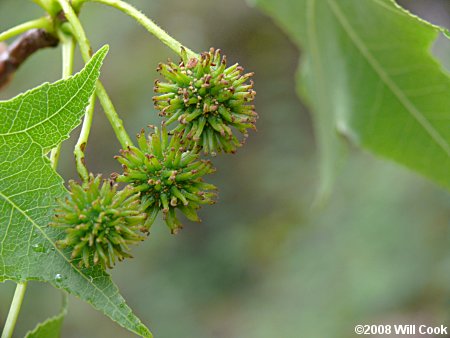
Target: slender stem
(83, 139)
(77, 29)
(68, 51)
(43, 22)
(86, 53)
(149, 25)
(112, 116)
(14, 310)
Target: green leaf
(51, 328)
(32, 124)
(368, 73)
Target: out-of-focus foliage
(51, 328)
(260, 264)
(376, 255)
(373, 79)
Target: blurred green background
(262, 263)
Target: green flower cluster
(165, 171)
(208, 99)
(100, 222)
(168, 176)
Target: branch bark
(12, 57)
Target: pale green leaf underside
(51, 328)
(32, 124)
(368, 73)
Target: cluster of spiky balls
(208, 102)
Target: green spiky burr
(100, 222)
(168, 176)
(209, 101)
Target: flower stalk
(149, 25)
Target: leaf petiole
(14, 310)
(83, 139)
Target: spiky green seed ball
(208, 99)
(168, 176)
(100, 222)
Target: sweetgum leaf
(50, 328)
(367, 72)
(32, 124)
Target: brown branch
(14, 55)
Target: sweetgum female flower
(100, 221)
(208, 100)
(168, 177)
